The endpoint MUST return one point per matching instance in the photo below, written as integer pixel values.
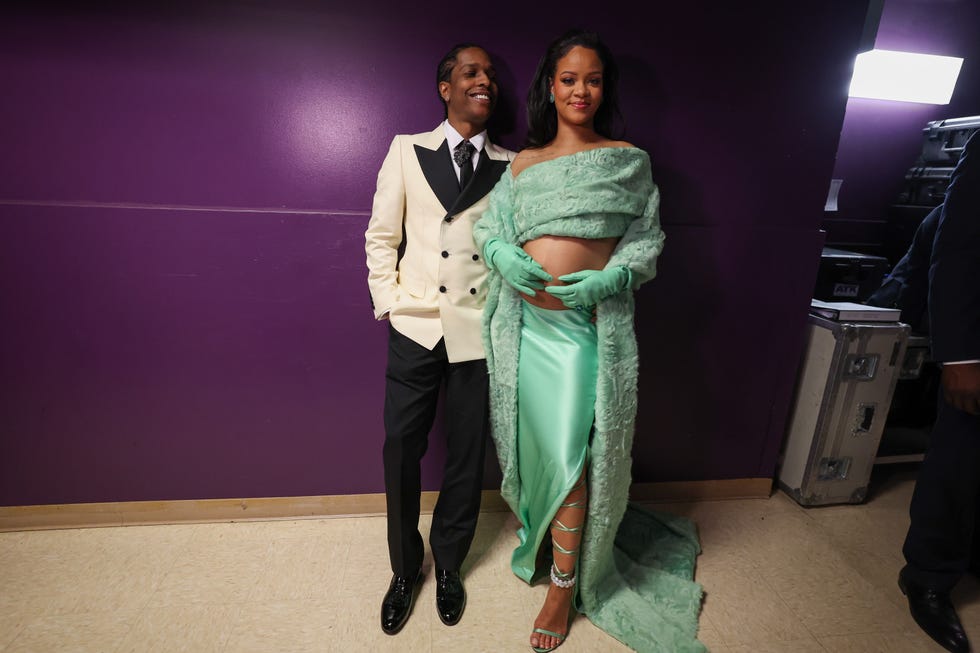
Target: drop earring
(551, 98)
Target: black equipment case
(925, 186)
(848, 276)
(942, 143)
(944, 140)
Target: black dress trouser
(943, 541)
(413, 380)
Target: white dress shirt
(453, 139)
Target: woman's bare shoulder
(612, 143)
(527, 158)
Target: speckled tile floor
(779, 578)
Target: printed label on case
(846, 289)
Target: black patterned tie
(463, 155)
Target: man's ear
(444, 91)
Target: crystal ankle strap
(561, 580)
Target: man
(943, 542)
(907, 286)
(428, 279)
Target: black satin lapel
(438, 170)
(485, 177)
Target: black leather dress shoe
(450, 596)
(936, 616)
(398, 601)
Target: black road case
(944, 140)
(848, 276)
(925, 186)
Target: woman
(573, 224)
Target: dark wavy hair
(445, 69)
(542, 120)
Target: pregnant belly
(560, 255)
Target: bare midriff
(560, 255)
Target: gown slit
(556, 390)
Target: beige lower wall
(132, 513)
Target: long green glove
(515, 265)
(587, 288)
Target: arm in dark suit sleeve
(954, 275)
(907, 285)
(954, 289)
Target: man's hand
(516, 266)
(961, 386)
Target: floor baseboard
(134, 513)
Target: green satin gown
(556, 389)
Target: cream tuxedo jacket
(424, 271)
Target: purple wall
(881, 140)
(183, 194)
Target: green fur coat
(637, 566)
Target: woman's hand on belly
(562, 255)
(516, 266)
(587, 288)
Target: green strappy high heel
(559, 578)
(542, 631)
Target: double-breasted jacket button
(445, 254)
(472, 291)
(442, 289)
(476, 257)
